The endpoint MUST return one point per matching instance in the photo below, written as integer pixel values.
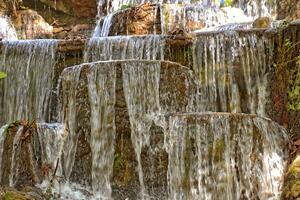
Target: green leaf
(2, 75)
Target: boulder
(30, 25)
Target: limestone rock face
(139, 20)
(84, 8)
(30, 25)
(78, 8)
(175, 84)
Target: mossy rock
(262, 22)
(292, 183)
(14, 195)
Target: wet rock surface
(125, 178)
(74, 21)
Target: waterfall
(225, 156)
(39, 145)
(51, 138)
(102, 30)
(66, 91)
(251, 8)
(193, 17)
(101, 90)
(25, 92)
(141, 89)
(101, 94)
(232, 71)
(14, 157)
(148, 47)
(7, 30)
(2, 138)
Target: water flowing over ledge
(225, 156)
(101, 89)
(30, 68)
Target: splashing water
(232, 71)
(225, 156)
(7, 31)
(51, 138)
(26, 90)
(148, 47)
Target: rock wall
(288, 9)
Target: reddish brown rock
(30, 25)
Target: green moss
(228, 2)
(14, 196)
(2, 75)
(294, 92)
(292, 189)
(124, 6)
(219, 149)
(118, 162)
(292, 182)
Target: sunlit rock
(30, 25)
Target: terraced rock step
(171, 19)
(235, 151)
(119, 101)
(225, 156)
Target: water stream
(225, 156)
(148, 47)
(25, 92)
(232, 71)
(226, 149)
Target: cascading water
(101, 93)
(253, 8)
(102, 30)
(51, 138)
(148, 47)
(43, 144)
(205, 156)
(30, 67)
(2, 138)
(195, 17)
(232, 71)
(101, 89)
(67, 106)
(7, 31)
(191, 15)
(141, 89)
(225, 156)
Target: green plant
(124, 6)
(228, 2)
(289, 64)
(2, 75)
